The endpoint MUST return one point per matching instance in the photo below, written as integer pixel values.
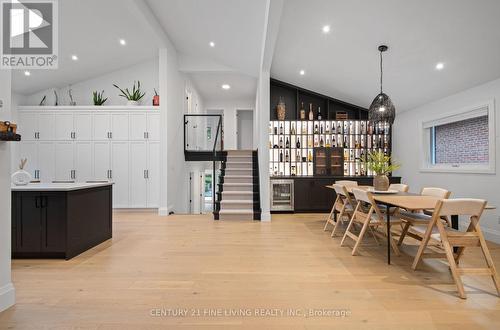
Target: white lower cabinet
(120, 174)
(95, 145)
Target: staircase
(238, 190)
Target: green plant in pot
(99, 98)
(381, 165)
(133, 97)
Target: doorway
(244, 129)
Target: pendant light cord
(381, 72)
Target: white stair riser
(242, 216)
(239, 196)
(236, 206)
(237, 188)
(237, 159)
(234, 179)
(230, 172)
(245, 165)
(239, 152)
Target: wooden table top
(405, 200)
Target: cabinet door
(64, 126)
(120, 174)
(154, 126)
(64, 161)
(29, 150)
(138, 181)
(138, 126)
(28, 222)
(53, 222)
(102, 126)
(46, 161)
(153, 174)
(83, 126)
(83, 161)
(46, 126)
(119, 126)
(28, 125)
(101, 160)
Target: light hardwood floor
(192, 262)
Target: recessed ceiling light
(226, 86)
(302, 72)
(74, 57)
(27, 73)
(212, 44)
(123, 42)
(440, 66)
(326, 29)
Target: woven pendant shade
(382, 109)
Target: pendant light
(382, 110)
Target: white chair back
(462, 206)
(339, 189)
(399, 187)
(347, 183)
(436, 192)
(361, 195)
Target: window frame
(426, 148)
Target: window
(463, 141)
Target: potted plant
(133, 97)
(381, 165)
(99, 98)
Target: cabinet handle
(36, 202)
(111, 174)
(144, 174)
(43, 202)
(144, 134)
(110, 135)
(147, 174)
(147, 135)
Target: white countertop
(60, 186)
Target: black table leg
(388, 234)
(454, 225)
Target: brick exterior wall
(462, 142)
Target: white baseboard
(165, 211)
(265, 217)
(491, 234)
(7, 296)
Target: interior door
(64, 161)
(46, 126)
(153, 126)
(102, 126)
(153, 174)
(46, 161)
(83, 161)
(120, 174)
(29, 126)
(119, 126)
(245, 129)
(29, 150)
(83, 126)
(138, 126)
(101, 160)
(138, 181)
(64, 126)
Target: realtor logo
(29, 34)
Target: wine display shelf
(292, 143)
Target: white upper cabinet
(102, 126)
(119, 126)
(64, 126)
(153, 126)
(82, 126)
(46, 126)
(138, 126)
(29, 127)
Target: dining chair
(413, 218)
(347, 183)
(401, 187)
(448, 238)
(343, 206)
(369, 216)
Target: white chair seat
(393, 219)
(405, 215)
(421, 229)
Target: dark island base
(311, 195)
(60, 224)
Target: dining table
(404, 200)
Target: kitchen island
(60, 220)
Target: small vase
(380, 182)
(132, 103)
(281, 109)
(21, 178)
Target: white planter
(21, 178)
(133, 103)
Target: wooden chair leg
(394, 245)
(374, 236)
(346, 231)
(403, 233)
(423, 245)
(332, 212)
(454, 270)
(360, 237)
(487, 256)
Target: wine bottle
(319, 113)
(298, 156)
(298, 143)
(292, 130)
(302, 112)
(287, 143)
(345, 141)
(311, 114)
(321, 128)
(362, 128)
(310, 156)
(333, 142)
(328, 145)
(339, 129)
(281, 156)
(321, 142)
(281, 142)
(281, 128)
(276, 130)
(316, 129)
(287, 156)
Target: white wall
(406, 135)
(145, 72)
(7, 292)
(230, 121)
